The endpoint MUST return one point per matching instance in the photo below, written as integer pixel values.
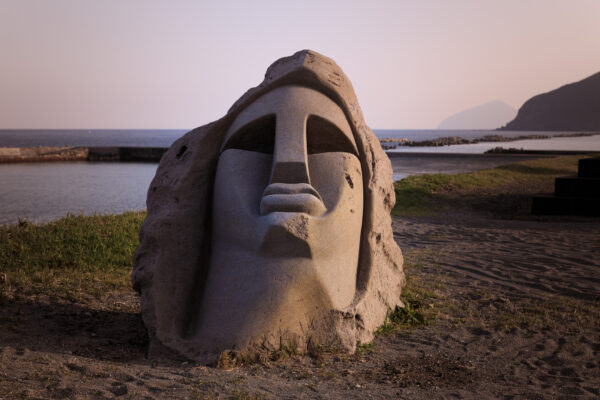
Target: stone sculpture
(271, 226)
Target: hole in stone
(349, 180)
(182, 150)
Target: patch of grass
(571, 315)
(244, 395)
(495, 310)
(230, 359)
(286, 350)
(421, 195)
(413, 314)
(422, 301)
(366, 348)
(328, 375)
(199, 391)
(414, 194)
(76, 258)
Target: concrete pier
(48, 154)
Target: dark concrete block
(551, 205)
(589, 167)
(141, 153)
(103, 154)
(573, 186)
(152, 154)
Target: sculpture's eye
(323, 137)
(258, 136)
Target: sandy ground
(518, 319)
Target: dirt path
(518, 319)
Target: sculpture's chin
(287, 236)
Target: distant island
(485, 116)
(573, 107)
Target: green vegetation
(494, 310)
(81, 259)
(425, 194)
(366, 348)
(423, 301)
(76, 258)
(507, 191)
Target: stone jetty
(67, 153)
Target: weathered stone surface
(271, 225)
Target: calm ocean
(42, 192)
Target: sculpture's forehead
(292, 103)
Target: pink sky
(181, 64)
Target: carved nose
(289, 156)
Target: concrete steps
(573, 195)
(575, 186)
(589, 168)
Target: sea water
(42, 192)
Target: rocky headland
(573, 107)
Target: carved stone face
(287, 218)
(265, 228)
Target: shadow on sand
(72, 329)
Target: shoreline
(393, 143)
(10, 155)
(154, 154)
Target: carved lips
(291, 197)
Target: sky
(149, 64)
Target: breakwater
(67, 153)
(513, 150)
(392, 143)
(154, 154)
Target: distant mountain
(486, 116)
(573, 107)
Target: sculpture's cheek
(336, 235)
(338, 179)
(240, 181)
